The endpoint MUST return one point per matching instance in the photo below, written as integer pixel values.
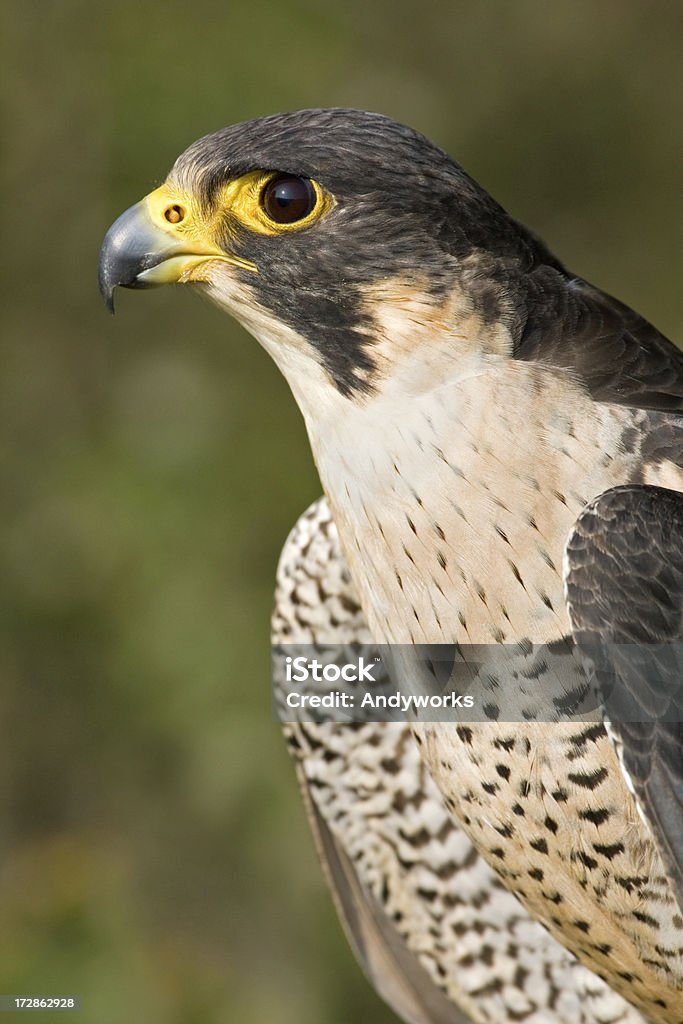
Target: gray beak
(142, 250)
(132, 247)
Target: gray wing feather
(617, 354)
(625, 598)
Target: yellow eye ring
(254, 200)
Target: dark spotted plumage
(435, 931)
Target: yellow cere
(178, 215)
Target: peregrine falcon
(500, 446)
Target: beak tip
(124, 254)
(108, 300)
(107, 276)
(107, 295)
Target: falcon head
(342, 240)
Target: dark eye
(287, 199)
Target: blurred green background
(154, 857)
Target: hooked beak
(141, 251)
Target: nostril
(174, 214)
